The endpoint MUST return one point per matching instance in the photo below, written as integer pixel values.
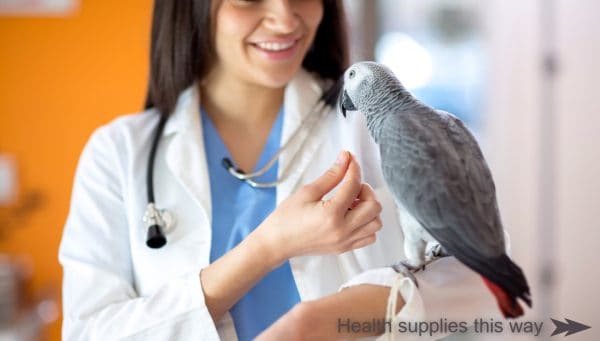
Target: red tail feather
(508, 305)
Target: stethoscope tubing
(248, 177)
(327, 100)
(153, 218)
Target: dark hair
(182, 49)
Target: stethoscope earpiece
(155, 238)
(158, 223)
(236, 172)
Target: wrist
(268, 246)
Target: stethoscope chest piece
(158, 224)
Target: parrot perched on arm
(438, 176)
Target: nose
(281, 16)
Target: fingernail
(341, 158)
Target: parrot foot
(434, 253)
(406, 269)
(437, 251)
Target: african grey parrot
(434, 168)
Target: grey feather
(436, 171)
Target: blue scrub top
(237, 209)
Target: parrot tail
(507, 283)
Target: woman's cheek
(313, 13)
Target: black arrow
(571, 327)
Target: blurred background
(521, 74)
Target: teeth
(275, 46)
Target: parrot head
(365, 86)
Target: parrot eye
(352, 74)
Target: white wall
(578, 106)
(512, 145)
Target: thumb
(326, 182)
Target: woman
(236, 79)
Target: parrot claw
(435, 252)
(406, 269)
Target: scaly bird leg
(404, 268)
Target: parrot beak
(346, 103)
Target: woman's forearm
(230, 277)
(350, 314)
(302, 224)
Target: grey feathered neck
(394, 101)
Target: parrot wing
(435, 168)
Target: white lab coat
(115, 287)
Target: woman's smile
(277, 49)
(264, 42)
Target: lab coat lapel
(301, 95)
(185, 152)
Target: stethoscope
(157, 221)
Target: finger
(366, 192)
(366, 230)
(368, 240)
(331, 178)
(354, 203)
(362, 213)
(349, 188)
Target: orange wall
(59, 79)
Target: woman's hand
(302, 224)
(305, 224)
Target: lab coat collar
(185, 155)
(301, 96)
(185, 152)
(187, 106)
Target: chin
(278, 79)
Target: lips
(280, 49)
(275, 46)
